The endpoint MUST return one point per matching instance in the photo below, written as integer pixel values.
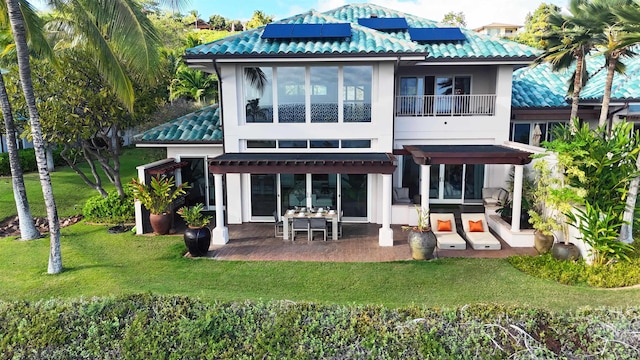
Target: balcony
(446, 105)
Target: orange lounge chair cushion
(444, 225)
(476, 226)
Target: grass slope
(99, 264)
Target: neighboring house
(21, 143)
(352, 104)
(499, 30)
(540, 98)
(199, 25)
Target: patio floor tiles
(359, 244)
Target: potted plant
(157, 197)
(540, 213)
(197, 237)
(421, 239)
(552, 199)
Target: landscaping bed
(149, 326)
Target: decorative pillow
(444, 225)
(475, 226)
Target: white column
(220, 234)
(425, 179)
(385, 233)
(517, 198)
(138, 206)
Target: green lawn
(68, 189)
(97, 263)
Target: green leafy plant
(110, 210)
(423, 221)
(600, 229)
(159, 194)
(540, 214)
(193, 215)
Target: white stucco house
(361, 108)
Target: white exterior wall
(463, 130)
(236, 131)
(196, 150)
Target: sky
(477, 12)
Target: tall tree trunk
(606, 97)
(28, 229)
(22, 51)
(577, 87)
(626, 232)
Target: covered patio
(255, 242)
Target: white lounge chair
(479, 240)
(447, 239)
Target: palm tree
(193, 84)
(569, 43)
(109, 28)
(629, 17)
(615, 41)
(28, 230)
(20, 39)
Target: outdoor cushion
(401, 196)
(475, 226)
(449, 239)
(444, 225)
(483, 240)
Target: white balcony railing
(446, 105)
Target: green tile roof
(199, 126)
(542, 87)
(363, 40)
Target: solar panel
(384, 23)
(336, 30)
(277, 31)
(436, 34)
(306, 31)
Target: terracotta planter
(422, 244)
(160, 223)
(542, 242)
(562, 251)
(197, 240)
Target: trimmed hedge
(153, 327)
(27, 158)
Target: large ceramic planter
(160, 223)
(197, 240)
(422, 244)
(542, 242)
(562, 251)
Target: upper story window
(308, 94)
(533, 133)
(313, 144)
(258, 83)
(357, 93)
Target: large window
(357, 93)
(533, 133)
(258, 94)
(291, 94)
(324, 94)
(308, 94)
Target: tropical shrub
(600, 230)
(110, 210)
(597, 166)
(609, 275)
(163, 327)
